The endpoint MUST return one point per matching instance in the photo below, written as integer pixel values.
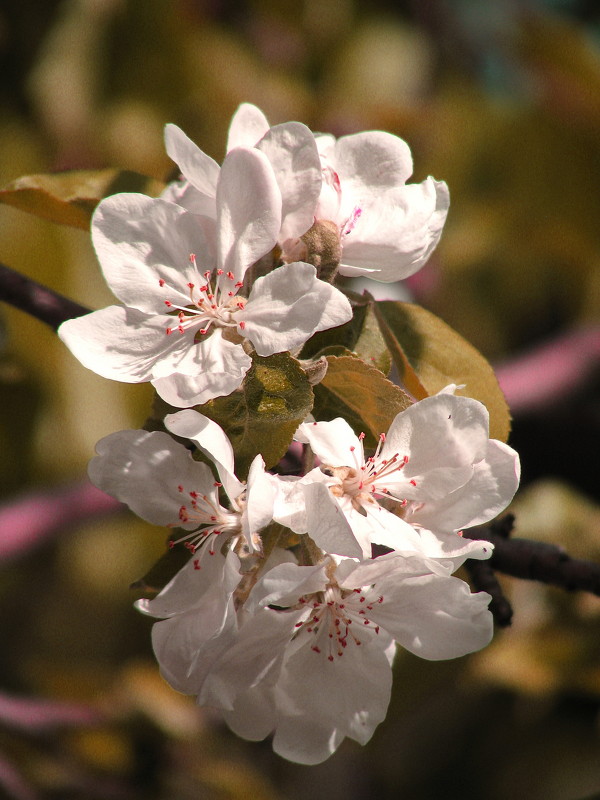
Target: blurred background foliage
(500, 99)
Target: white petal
(287, 306)
(292, 152)
(247, 126)
(351, 691)
(142, 240)
(327, 525)
(492, 486)
(305, 741)
(396, 231)
(254, 714)
(145, 470)
(187, 645)
(370, 161)
(212, 440)
(439, 432)
(223, 366)
(334, 443)
(183, 194)
(124, 344)
(434, 617)
(201, 170)
(255, 657)
(248, 210)
(206, 578)
(261, 493)
(285, 584)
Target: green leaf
(262, 416)
(69, 198)
(361, 394)
(429, 355)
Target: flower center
(361, 483)
(335, 621)
(213, 301)
(209, 516)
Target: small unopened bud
(323, 248)
(315, 370)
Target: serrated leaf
(361, 394)
(263, 415)
(429, 355)
(69, 198)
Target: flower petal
(248, 210)
(327, 525)
(124, 344)
(212, 440)
(287, 306)
(142, 241)
(494, 481)
(222, 367)
(396, 231)
(333, 442)
(247, 126)
(292, 152)
(201, 170)
(434, 617)
(145, 470)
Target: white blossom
(434, 473)
(183, 322)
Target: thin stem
(40, 302)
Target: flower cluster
(299, 587)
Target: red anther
(180, 488)
(190, 285)
(298, 625)
(460, 533)
(362, 598)
(192, 257)
(168, 303)
(194, 495)
(181, 316)
(171, 544)
(220, 272)
(314, 423)
(377, 629)
(361, 436)
(366, 622)
(412, 482)
(213, 518)
(181, 329)
(213, 305)
(242, 325)
(239, 285)
(382, 437)
(196, 563)
(341, 605)
(352, 448)
(329, 658)
(230, 294)
(217, 484)
(380, 599)
(405, 459)
(230, 275)
(161, 282)
(207, 274)
(203, 331)
(357, 641)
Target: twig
(538, 561)
(39, 301)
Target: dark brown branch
(483, 579)
(538, 561)
(37, 300)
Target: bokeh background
(502, 100)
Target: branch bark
(40, 302)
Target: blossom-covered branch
(39, 301)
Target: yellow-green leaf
(263, 415)
(69, 198)
(429, 355)
(361, 394)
